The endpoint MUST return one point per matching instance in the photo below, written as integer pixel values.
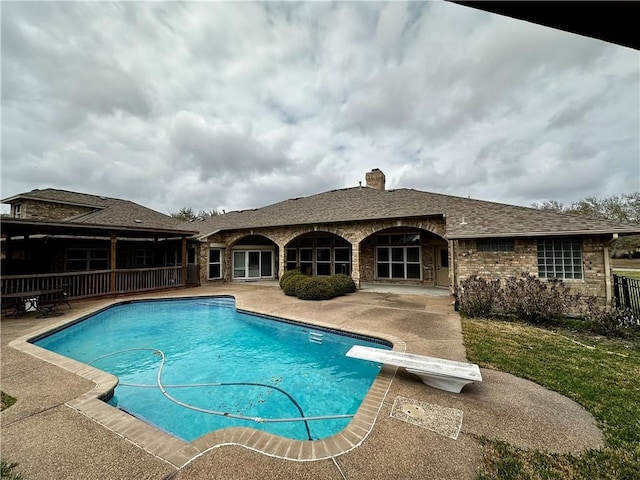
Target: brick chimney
(375, 179)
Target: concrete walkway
(50, 439)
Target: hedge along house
(91, 245)
(408, 237)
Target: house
(406, 236)
(375, 235)
(92, 245)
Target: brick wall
(524, 258)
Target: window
(79, 259)
(399, 239)
(560, 258)
(399, 263)
(321, 256)
(342, 258)
(17, 210)
(398, 256)
(496, 245)
(323, 261)
(292, 258)
(144, 257)
(172, 258)
(306, 261)
(215, 263)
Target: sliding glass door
(252, 264)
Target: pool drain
(413, 411)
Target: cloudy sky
(239, 105)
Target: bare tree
(621, 208)
(189, 214)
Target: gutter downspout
(607, 276)
(607, 271)
(452, 271)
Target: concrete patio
(52, 439)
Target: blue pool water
(217, 363)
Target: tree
(621, 208)
(188, 214)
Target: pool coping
(178, 452)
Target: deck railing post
(112, 263)
(183, 280)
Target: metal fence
(627, 292)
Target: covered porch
(91, 260)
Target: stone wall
(359, 234)
(50, 211)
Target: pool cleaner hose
(169, 397)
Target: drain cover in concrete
(442, 420)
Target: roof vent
(137, 221)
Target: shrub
(287, 275)
(6, 471)
(613, 321)
(478, 296)
(535, 301)
(314, 288)
(343, 284)
(290, 283)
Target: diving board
(444, 374)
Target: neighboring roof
(106, 211)
(612, 21)
(18, 227)
(465, 217)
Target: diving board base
(448, 384)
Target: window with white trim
(320, 256)
(560, 258)
(17, 210)
(292, 258)
(398, 256)
(215, 263)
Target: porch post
(184, 261)
(112, 263)
(355, 263)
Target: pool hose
(164, 392)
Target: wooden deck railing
(97, 283)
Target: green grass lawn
(605, 380)
(627, 273)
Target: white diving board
(436, 372)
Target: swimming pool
(196, 365)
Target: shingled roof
(105, 210)
(465, 217)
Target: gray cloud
(241, 104)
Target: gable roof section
(106, 211)
(465, 217)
